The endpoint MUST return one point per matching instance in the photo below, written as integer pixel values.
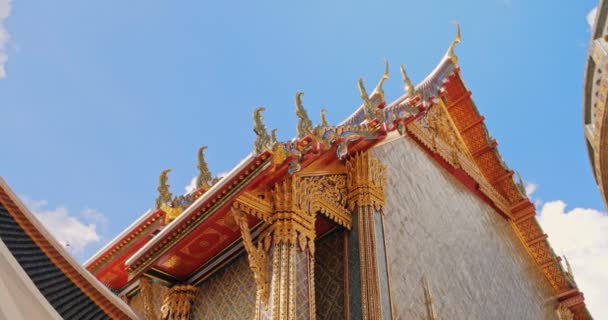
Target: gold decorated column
(283, 259)
(369, 293)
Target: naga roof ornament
(375, 101)
(324, 122)
(456, 41)
(410, 90)
(304, 123)
(204, 177)
(164, 195)
(262, 141)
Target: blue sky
(100, 96)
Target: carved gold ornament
(262, 141)
(366, 181)
(204, 178)
(178, 302)
(258, 262)
(164, 195)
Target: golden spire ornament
(456, 41)
(204, 176)
(376, 99)
(410, 90)
(368, 109)
(304, 123)
(164, 195)
(378, 89)
(431, 314)
(262, 140)
(324, 122)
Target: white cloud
(530, 189)
(5, 11)
(591, 17)
(192, 185)
(582, 236)
(67, 228)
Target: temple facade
(405, 210)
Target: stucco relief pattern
(471, 256)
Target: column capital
(177, 302)
(366, 180)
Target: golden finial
(428, 300)
(262, 140)
(367, 104)
(304, 123)
(204, 176)
(456, 41)
(521, 186)
(273, 137)
(324, 122)
(164, 195)
(410, 90)
(378, 89)
(569, 273)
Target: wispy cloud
(5, 11)
(591, 17)
(192, 185)
(531, 188)
(580, 234)
(75, 231)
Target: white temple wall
(475, 265)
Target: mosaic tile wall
(149, 299)
(475, 265)
(228, 294)
(329, 277)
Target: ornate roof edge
(95, 290)
(118, 238)
(171, 227)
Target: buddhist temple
(595, 94)
(404, 210)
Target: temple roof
(438, 114)
(72, 291)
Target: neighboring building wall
(475, 265)
(329, 276)
(19, 297)
(228, 294)
(64, 295)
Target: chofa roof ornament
(456, 41)
(304, 124)
(375, 101)
(204, 176)
(164, 195)
(410, 90)
(262, 141)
